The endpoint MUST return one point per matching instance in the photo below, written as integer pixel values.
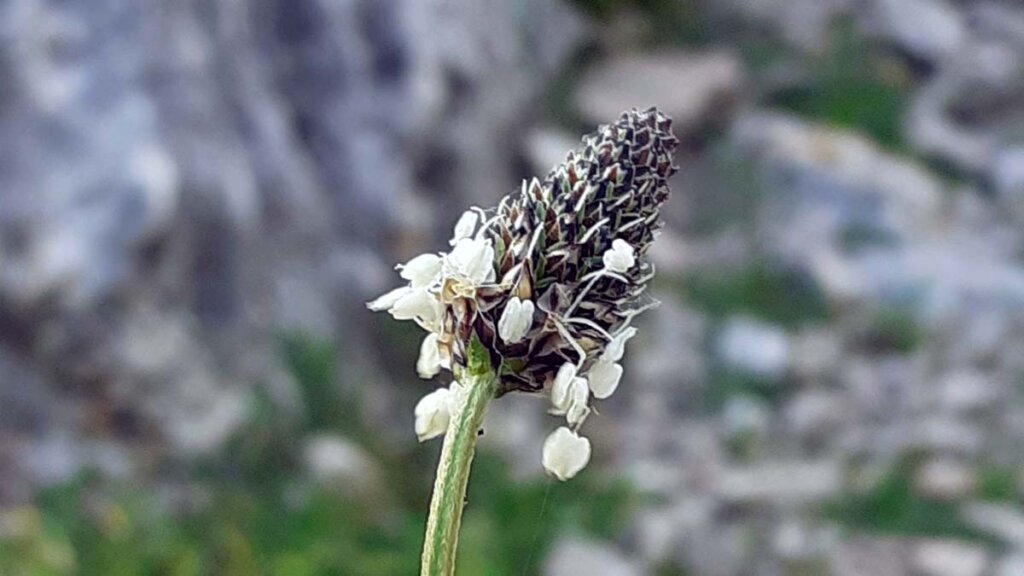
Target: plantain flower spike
(550, 280)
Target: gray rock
(338, 462)
(659, 528)
(985, 78)
(945, 479)
(1003, 521)
(745, 415)
(722, 549)
(930, 433)
(816, 353)
(517, 427)
(805, 23)
(1010, 565)
(695, 89)
(573, 557)
(815, 415)
(754, 347)
(480, 66)
(834, 203)
(668, 352)
(948, 558)
(1007, 174)
(999, 20)
(932, 30)
(183, 182)
(780, 482)
(871, 557)
(546, 147)
(804, 544)
(842, 177)
(967, 391)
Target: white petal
(604, 378)
(432, 414)
(473, 259)
(388, 300)
(484, 273)
(561, 390)
(464, 227)
(416, 303)
(515, 320)
(620, 257)
(421, 270)
(578, 410)
(617, 347)
(565, 453)
(429, 362)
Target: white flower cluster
(566, 452)
(470, 265)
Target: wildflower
(548, 282)
(515, 320)
(620, 257)
(565, 453)
(432, 414)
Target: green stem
(442, 538)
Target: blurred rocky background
(197, 196)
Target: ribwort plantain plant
(536, 295)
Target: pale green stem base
(442, 538)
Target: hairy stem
(480, 384)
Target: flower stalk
(537, 296)
(477, 387)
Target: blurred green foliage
(892, 331)
(725, 384)
(999, 484)
(507, 524)
(772, 293)
(894, 507)
(313, 365)
(859, 237)
(252, 509)
(855, 86)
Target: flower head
(549, 280)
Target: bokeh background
(197, 196)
